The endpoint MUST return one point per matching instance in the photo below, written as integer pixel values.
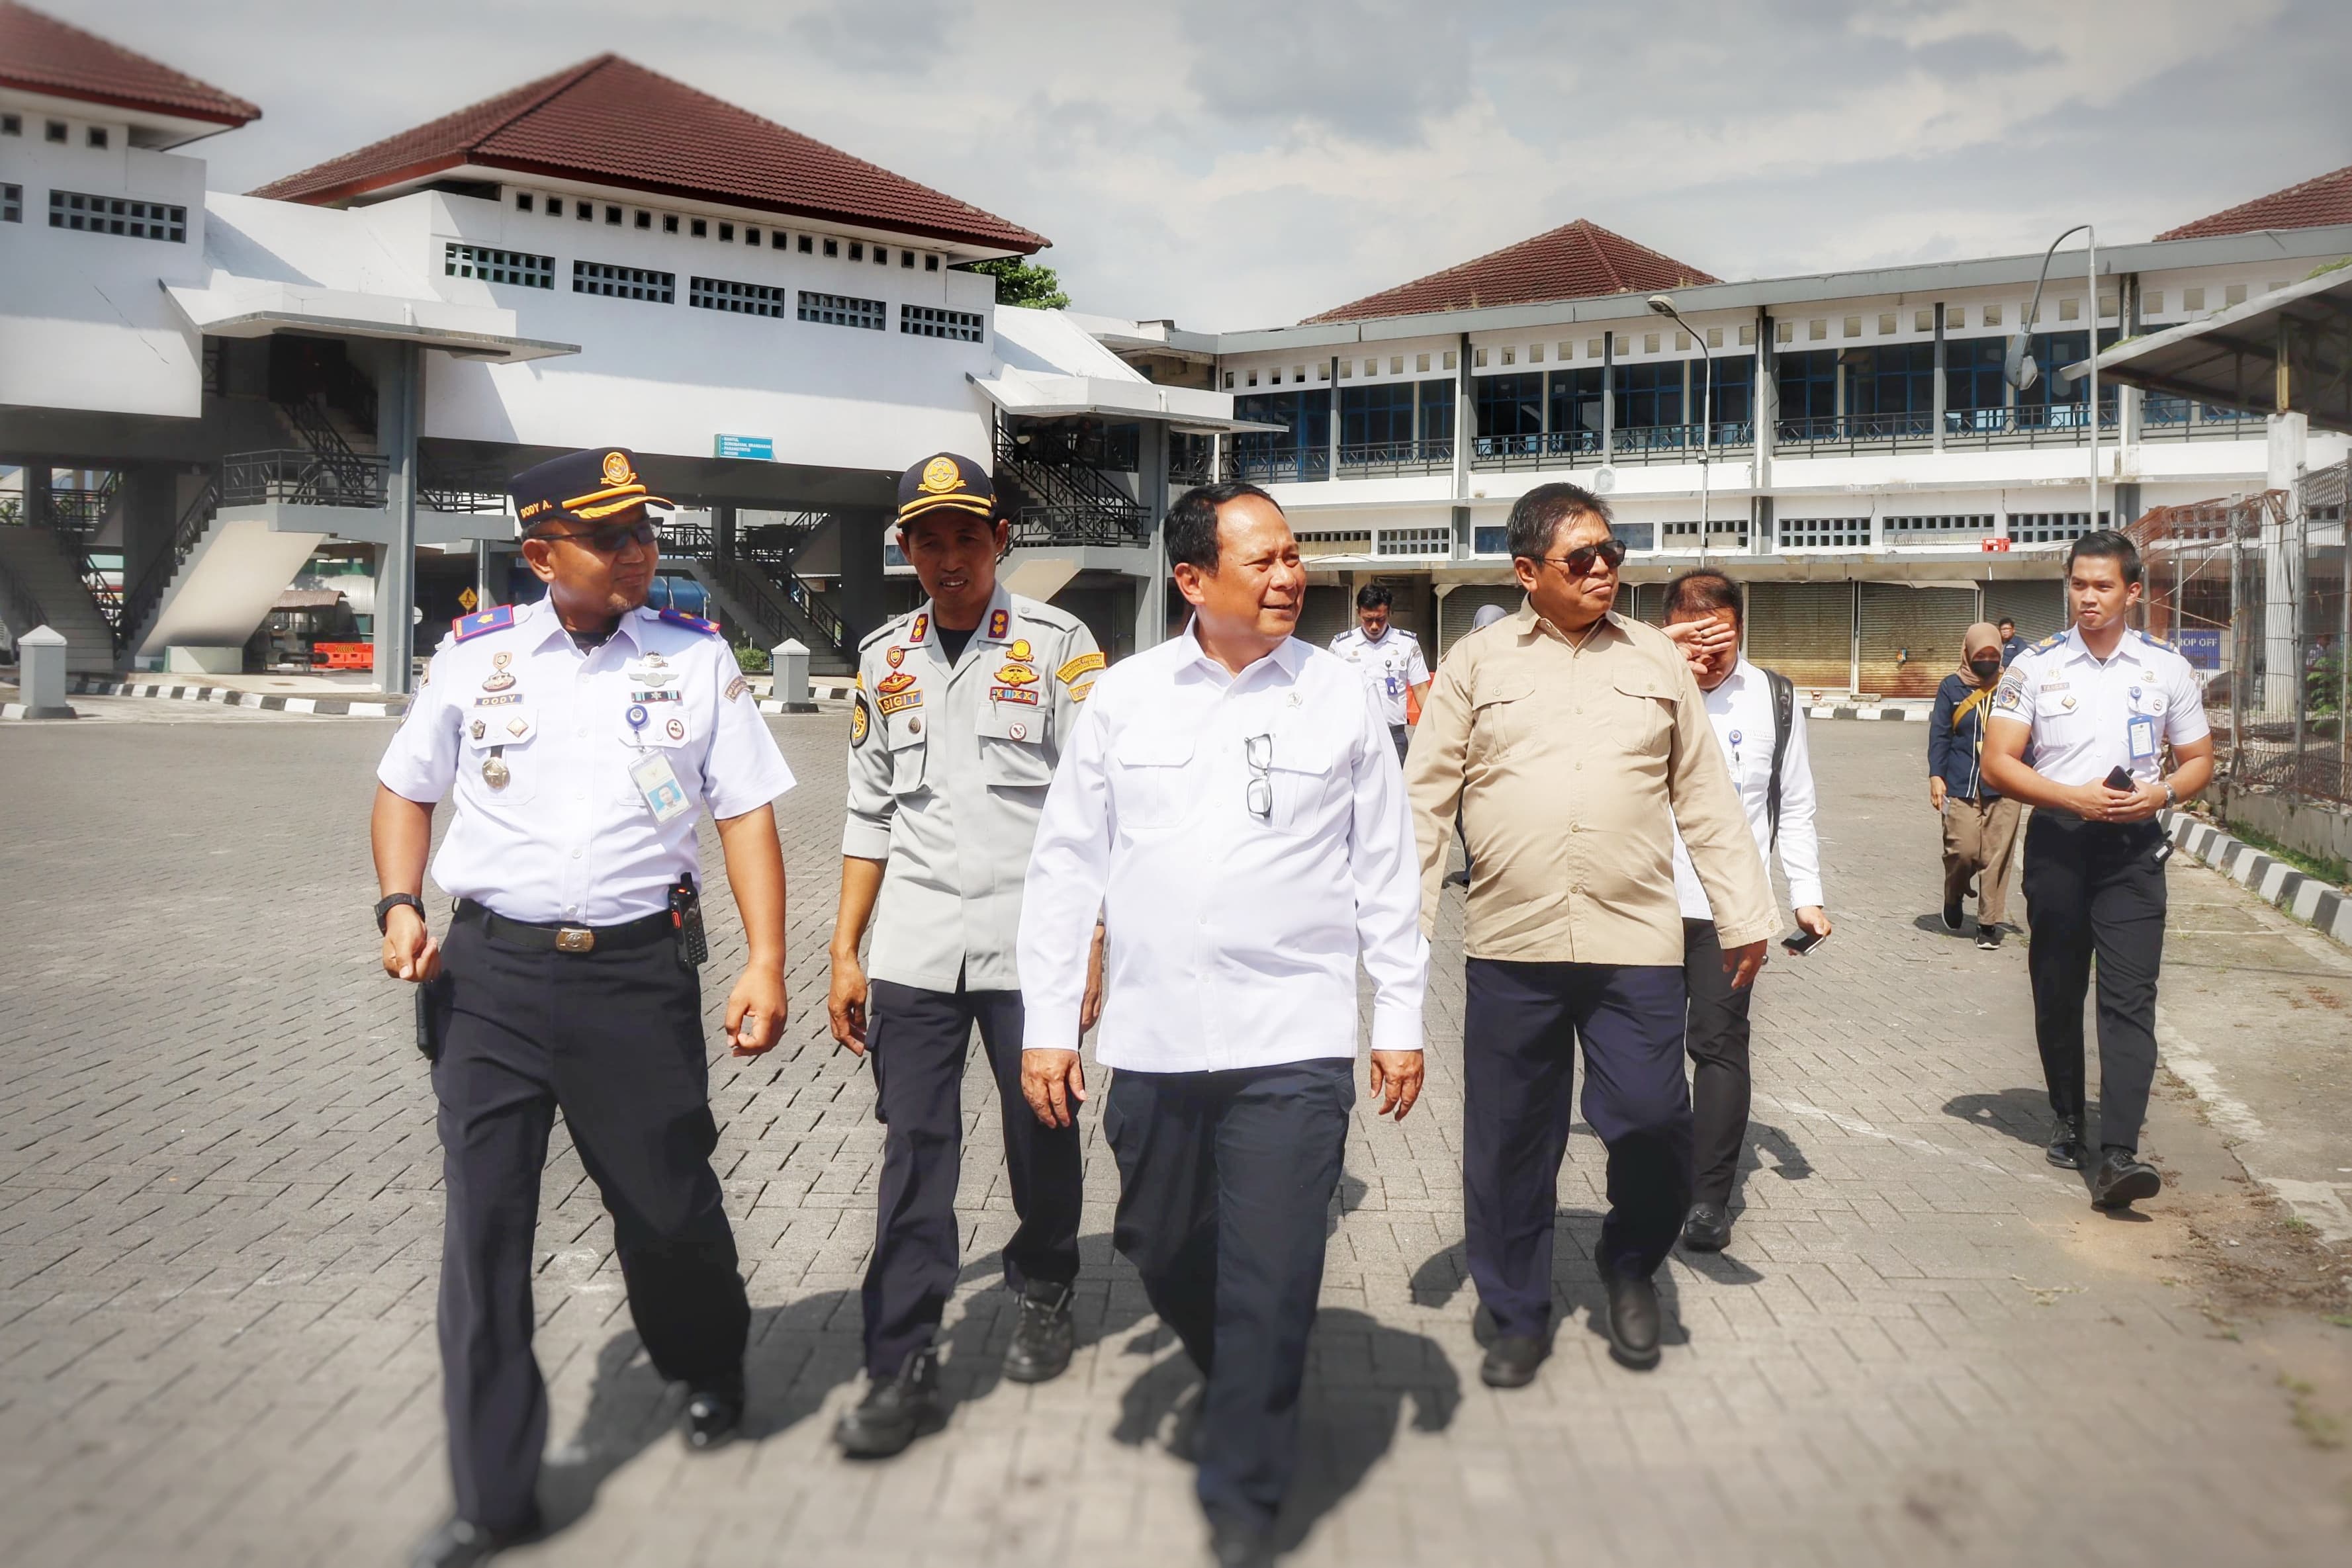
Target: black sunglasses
(1610, 552)
(606, 539)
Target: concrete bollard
(41, 674)
(789, 685)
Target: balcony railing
(1389, 458)
(1281, 465)
(2177, 419)
(303, 478)
(1965, 430)
(1647, 444)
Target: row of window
(56, 130)
(656, 288)
(729, 232)
(106, 216)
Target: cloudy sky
(1245, 162)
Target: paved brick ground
(219, 1217)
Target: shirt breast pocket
(1644, 707)
(1303, 770)
(1012, 748)
(498, 764)
(1151, 773)
(1499, 717)
(903, 734)
(2056, 720)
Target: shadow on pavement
(1789, 1161)
(1360, 1374)
(2020, 1113)
(972, 1361)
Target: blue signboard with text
(758, 448)
(2202, 646)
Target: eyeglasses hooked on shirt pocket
(1151, 775)
(1302, 767)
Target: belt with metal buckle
(539, 938)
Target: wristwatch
(2171, 800)
(385, 905)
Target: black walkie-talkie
(686, 914)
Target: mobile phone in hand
(1802, 942)
(2119, 777)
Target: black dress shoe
(1044, 1336)
(713, 1416)
(1709, 1229)
(1240, 1543)
(1633, 1318)
(2123, 1179)
(1952, 915)
(461, 1543)
(1511, 1361)
(2065, 1149)
(895, 1411)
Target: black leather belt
(570, 938)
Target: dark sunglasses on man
(1610, 552)
(606, 539)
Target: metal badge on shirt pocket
(1012, 747)
(497, 737)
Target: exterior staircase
(41, 585)
(1056, 498)
(761, 595)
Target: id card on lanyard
(2141, 734)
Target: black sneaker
(461, 1543)
(1952, 915)
(895, 1412)
(2123, 1179)
(1044, 1336)
(713, 1415)
(2066, 1150)
(1988, 938)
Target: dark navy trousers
(1224, 1196)
(918, 1044)
(2096, 889)
(614, 1041)
(1521, 1025)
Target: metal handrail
(304, 479)
(1074, 491)
(139, 601)
(1361, 458)
(753, 582)
(1040, 526)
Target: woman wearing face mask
(1979, 826)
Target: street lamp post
(1664, 306)
(2020, 371)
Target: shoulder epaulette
(496, 619)
(691, 622)
(896, 623)
(1045, 614)
(2048, 642)
(2159, 642)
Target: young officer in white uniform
(1741, 704)
(1388, 657)
(580, 738)
(2097, 697)
(964, 708)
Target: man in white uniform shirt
(2097, 702)
(1230, 802)
(1762, 732)
(1388, 657)
(578, 740)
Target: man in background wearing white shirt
(1388, 658)
(1232, 803)
(1762, 732)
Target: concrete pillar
(789, 681)
(37, 492)
(862, 530)
(150, 510)
(2282, 544)
(722, 532)
(1466, 418)
(1942, 393)
(41, 674)
(1608, 395)
(1151, 486)
(399, 396)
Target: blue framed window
(1734, 389)
(1576, 402)
(1894, 378)
(1649, 395)
(1808, 383)
(1437, 400)
(1972, 374)
(1378, 415)
(1301, 450)
(1509, 405)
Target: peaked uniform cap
(946, 481)
(588, 485)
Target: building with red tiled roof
(2315, 203)
(39, 54)
(1575, 261)
(613, 123)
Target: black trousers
(1402, 734)
(1714, 1034)
(2096, 889)
(1521, 1025)
(919, 1042)
(1224, 1191)
(614, 1041)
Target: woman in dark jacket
(1979, 825)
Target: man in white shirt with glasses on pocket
(1231, 802)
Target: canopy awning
(233, 308)
(2287, 351)
(1035, 396)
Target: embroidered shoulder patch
(496, 619)
(691, 622)
(1078, 692)
(860, 720)
(736, 687)
(1085, 664)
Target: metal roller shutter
(1911, 636)
(1458, 609)
(2037, 606)
(1327, 612)
(1643, 601)
(1804, 631)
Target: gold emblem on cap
(617, 470)
(940, 474)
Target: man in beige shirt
(1573, 742)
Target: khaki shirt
(1571, 769)
(948, 770)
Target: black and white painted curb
(272, 702)
(2272, 881)
(824, 689)
(1905, 714)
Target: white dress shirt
(570, 837)
(1392, 664)
(2088, 714)
(1232, 939)
(1741, 711)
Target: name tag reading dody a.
(658, 782)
